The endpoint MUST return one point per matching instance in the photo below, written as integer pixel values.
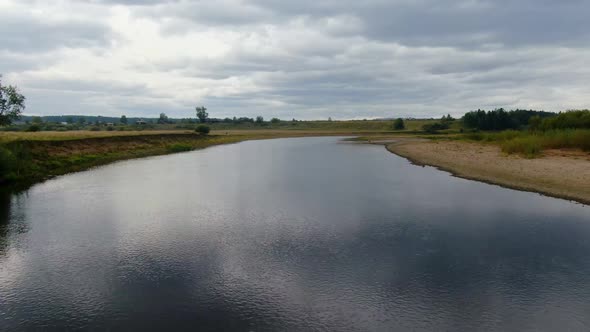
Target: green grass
(531, 144)
(179, 147)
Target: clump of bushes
(567, 120)
(203, 129)
(33, 128)
(433, 128)
(531, 144)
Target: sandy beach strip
(558, 173)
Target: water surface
(290, 234)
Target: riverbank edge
(42, 160)
(394, 147)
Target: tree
(447, 118)
(12, 103)
(203, 129)
(399, 124)
(275, 120)
(163, 118)
(123, 119)
(202, 114)
(70, 120)
(37, 120)
(535, 122)
(259, 119)
(81, 121)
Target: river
(289, 234)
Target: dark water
(291, 234)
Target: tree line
(500, 119)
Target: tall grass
(531, 144)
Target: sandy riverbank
(563, 174)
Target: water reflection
(5, 202)
(298, 234)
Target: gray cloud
(26, 34)
(303, 59)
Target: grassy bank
(24, 162)
(531, 144)
(28, 158)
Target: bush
(532, 143)
(568, 120)
(432, 128)
(33, 128)
(203, 129)
(95, 129)
(398, 124)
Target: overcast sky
(308, 59)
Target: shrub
(33, 128)
(398, 124)
(432, 128)
(95, 129)
(568, 120)
(203, 129)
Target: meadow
(532, 143)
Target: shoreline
(38, 160)
(558, 174)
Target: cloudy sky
(307, 59)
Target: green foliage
(531, 144)
(500, 119)
(259, 119)
(95, 128)
(123, 119)
(535, 122)
(8, 163)
(399, 124)
(34, 127)
(12, 103)
(202, 114)
(433, 128)
(568, 120)
(179, 147)
(203, 129)
(163, 119)
(275, 120)
(447, 118)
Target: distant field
(9, 136)
(361, 125)
(284, 128)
